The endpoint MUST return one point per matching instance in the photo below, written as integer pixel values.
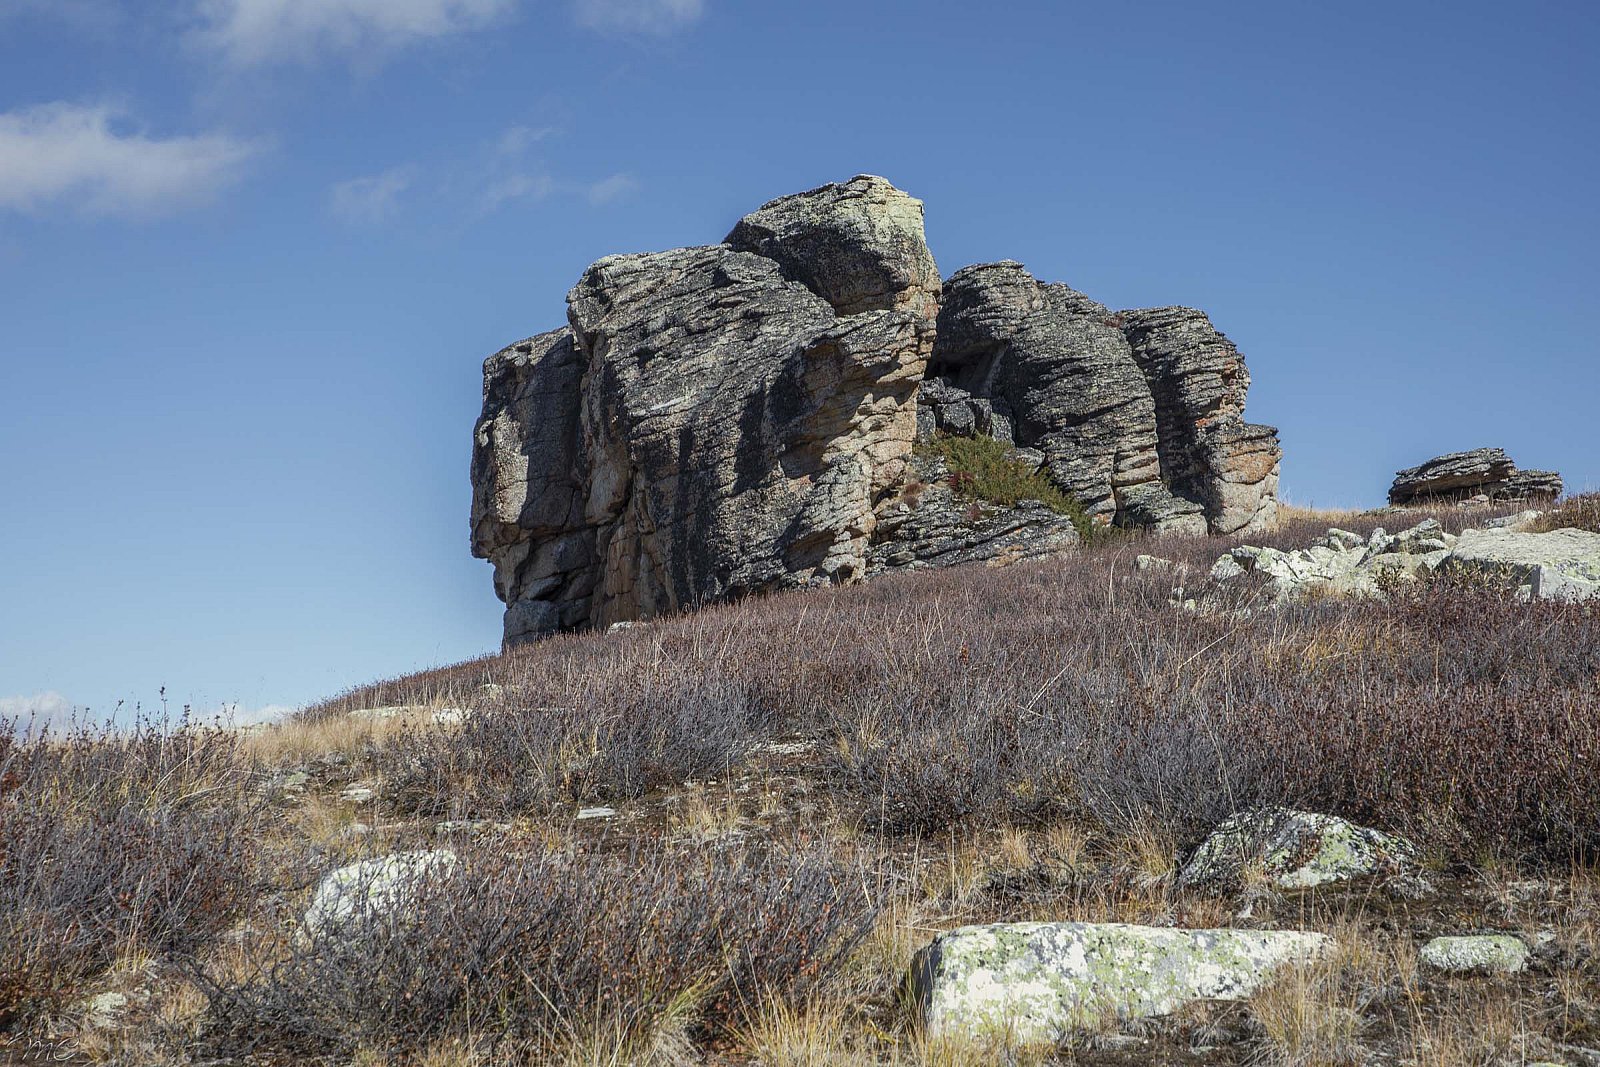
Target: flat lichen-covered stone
(1476, 953)
(1035, 982)
(1561, 564)
(1292, 849)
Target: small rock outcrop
(1481, 472)
(1035, 982)
(1292, 850)
(1560, 564)
(734, 418)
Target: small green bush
(985, 470)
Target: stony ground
(722, 838)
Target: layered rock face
(726, 419)
(1480, 472)
(714, 421)
(1139, 413)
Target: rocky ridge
(727, 419)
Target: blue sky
(252, 253)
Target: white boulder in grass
(374, 889)
(1293, 850)
(1035, 982)
(1476, 953)
(1561, 564)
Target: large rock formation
(731, 418)
(714, 421)
(1480, 472)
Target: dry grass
(1044, 741)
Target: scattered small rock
(358, 794)
(596, 813)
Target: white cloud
(76, 154)
(370, 200)
(254, 32)
(38, 711)
(613, 188)
(638, 16)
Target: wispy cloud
(371, 200)
(251, 33)
(89, 15)
(77, 155)
(637, 16)
(521, 186)
(518, 139)
(613, 188)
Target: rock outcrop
(733, 418)
(1209, 454)
(1139, 413)
(714, 421)
(1481, 472)
(1036, 982)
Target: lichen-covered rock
(1292, 850)
(1460, 476)
(1209, 454)
(1476, 953)
(373, 890)
(1561, 564)
(1034, 982)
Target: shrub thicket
(1075, 688)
